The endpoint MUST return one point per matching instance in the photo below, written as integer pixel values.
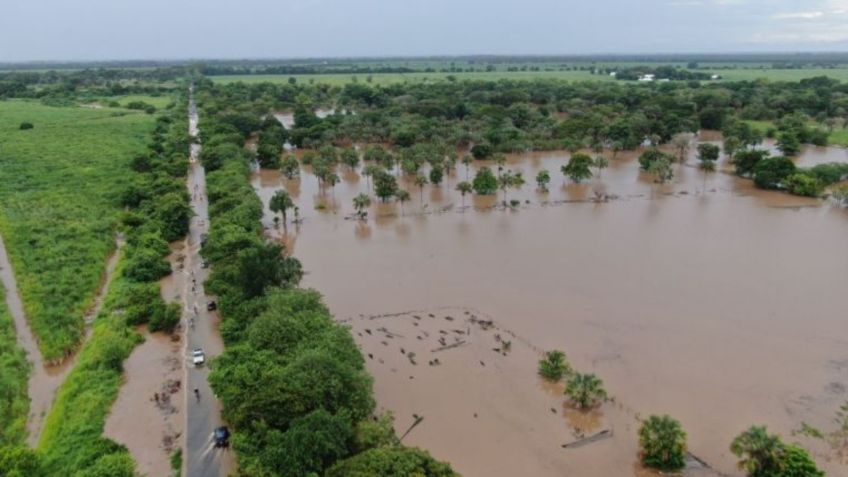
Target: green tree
(361, 203)
(746, 161)
(510, 180)
(464, 187)
(663, 443)
(421, 181)
(759, 452)
(788, 143)
(466, 161)
(391, 461)
(601, 163)
(385, 185)
(281, 202)
(289, 167)
(770, 173)
(803, 184)
(543, 178)
(436, 174)
(369, 171)
(682, 142)
(708, 152)
(402, 196)
(485, 182)
(661, 170)
(350, 158)
(554, 366)
(585, 390)
(578, 167)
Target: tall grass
(59, 186)
(14, 372)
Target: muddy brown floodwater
(147, 417)
(712, 301)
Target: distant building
(646, 78)
(613, 74)
(715, 77)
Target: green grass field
(14, 372)
(737, 74)
(59, 186)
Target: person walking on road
(197, 394)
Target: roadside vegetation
(14, 372)
(155, 210)
(292, 381)
(72, 439)
(59, 207)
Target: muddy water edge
(704, 298)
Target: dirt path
(45, 378)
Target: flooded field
(704, 298)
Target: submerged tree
(289, 167)
(385, 185)
(663, 443)
(759, 452)
(578, 167)
(402, 196)
(466, 161)
(464, 187)
(585, 390)
(485, 182)
(421, 181)
(543, 178)
(554, 366)
(280, 202)
(361, 203)
(601, 163)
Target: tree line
(292, 381)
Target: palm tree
(585, 390)
(682, 142)
(464, 187)
(707, 167)
(760, 453)
(280, 202)
(332, 179)
(402, 196)
(421, 181)
(554, 366)
(466, 161)
(360, 203)
(500, 160)
(663, 443)
(508, 180)
(601, 163)
(369, 171)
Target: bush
(554, 366)
(392, 461)
(803, 184)
(770, 173)
(481, 151)
(485, 182)
(663, 443)
(26, 125)
(165, 318)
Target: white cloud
(798, 15)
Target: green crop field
(736, 74)
(59, 187)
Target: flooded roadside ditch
(46, 378)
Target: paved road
(203, 414)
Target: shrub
(485, 182)
(585, 390)
(663, 443)
(770, 173)
(26, 125)
(481, 151)
(554, 366)
(391, 461)
(803, 184)
(165, 318)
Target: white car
(197, 357)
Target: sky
(42, 30)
